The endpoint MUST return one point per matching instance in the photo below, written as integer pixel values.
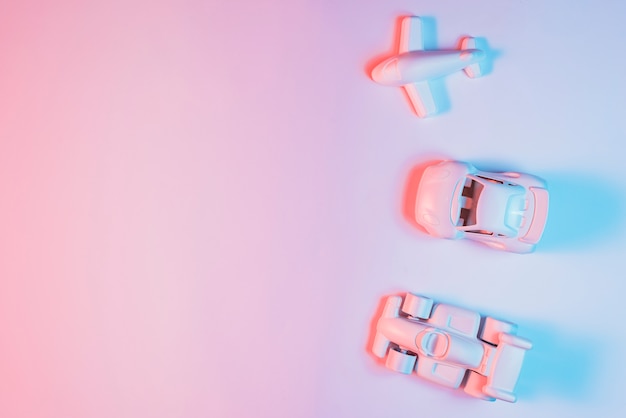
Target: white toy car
(506, 211)
(451, 346)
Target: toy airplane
(413, 66)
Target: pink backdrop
(202, 205)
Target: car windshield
(468, 202)
(491, 180)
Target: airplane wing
(422, 99)
(411, 35)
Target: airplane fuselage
(416, 66)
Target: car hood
(435, 196)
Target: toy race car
(506, 211)
(451, 346)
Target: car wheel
(417, 306)
(401, 361)
(474, 383)
(492, 328)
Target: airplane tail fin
(391, 310)
(473, 70)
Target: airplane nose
(377, 73)
(386, 72)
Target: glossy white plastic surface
(491, 329)
(413, 66)
(474, 383)
(417, 306)
(400, 361)
(448, 350)
(506, 211)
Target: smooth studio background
(202, 205)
